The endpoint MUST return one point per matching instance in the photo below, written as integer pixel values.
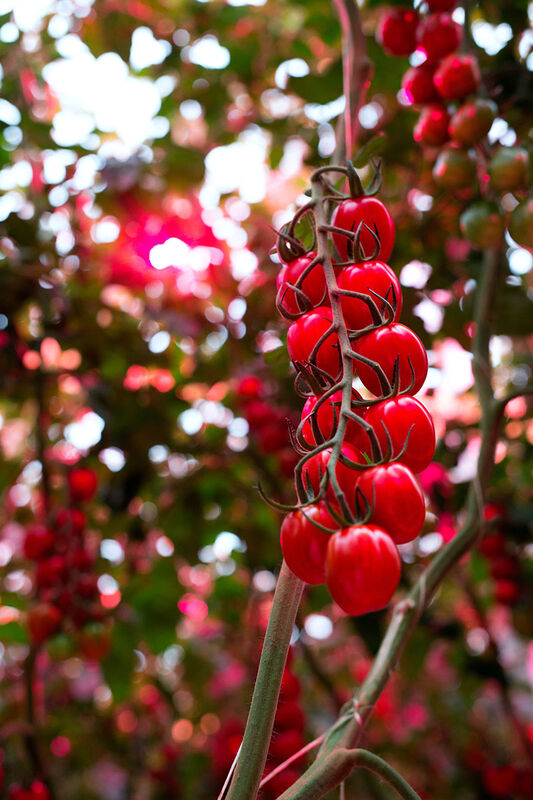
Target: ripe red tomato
(82, 559)
(51, 571)
(95, 641)
(250, 388)
(82, 484)
(418, 85)
(285, 744)
(398, 414)
(349, 214)
(327, 417)
(290, 686)
(38, 542)
(362, 569)
(375, 276)
(43, 620)
(441, 5)
(507, 592)
(437, 35)
(69, 522)
(87, 585)
(493, 545)
(399, 505)
(504, 567)
(313, 285)
(386, 345)
(289, 715)
(304, 545)
(432, 126)
(305, 332)
(315, 467)
(396, 31)
(457, 76)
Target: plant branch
(357, 69)
(256, 741)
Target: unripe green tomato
(472, 121)
(483, 225)
(521, 224)
(454, 169)
(509, 168)
(61, 646)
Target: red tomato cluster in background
(504, 565)
(36, 791)
(443, 88)
(66, 583)
(268, 425)
(360, 563)
(445, 75)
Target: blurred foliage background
(147, 151)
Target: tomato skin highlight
(313, 285)
(399, 505)
(349, 214)
(362, 569)
(418, 86)
(399, 414)
(384, 345)
(375, 276)
(304, 333)
(304, 546)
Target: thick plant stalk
(256, 741)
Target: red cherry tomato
(51, 571)
(82, 484)
(327, 417)
(399, 505)
(349, 214)
(507, 592)
(313, 285)
(386, 345)
(362, 278)
(43, 620)
(304, 334)
(95, 641)
(432, 126)
(315, 467)
(399, 415)
(289, 715)
(304, 545)
(418, 85)
(457, 76)
(397, 31)
(362, 569)
(437, 35)
(69, 522)
(38, 542)
(441, 5)
(285, 744)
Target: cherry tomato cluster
(443, 87)
(66, 584)
(346, 529)
(504, 564)
(36, 791)
(287, 737)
